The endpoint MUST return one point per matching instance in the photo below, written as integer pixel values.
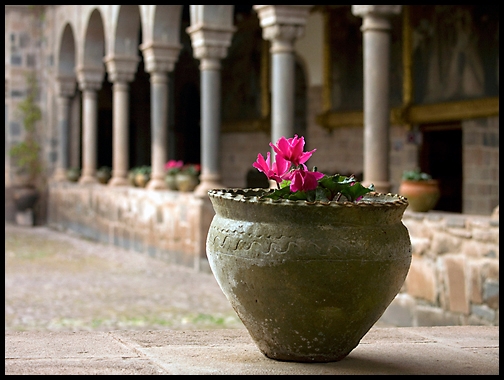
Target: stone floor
(458, 350)
(74, 306)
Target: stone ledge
(447, 350)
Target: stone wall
(454, 273)
(169, 225)
(453, 278)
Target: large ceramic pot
(25, 197)
(308, 280)
(422, 195)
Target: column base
(88, 179)
(156, 184)
(119, 181)
(202, 189)
(60, 175)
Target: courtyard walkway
(74, 306)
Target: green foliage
(25, 154)
(415, 175)
(144, 169)
(330, 188)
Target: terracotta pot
(422, 195)
(103, 176)
(186, 181)
(308, 280)
(73, 174)
(141, 179)
(171, 181)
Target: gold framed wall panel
(417, 114)
(408, 113)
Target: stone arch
(219, 15)
(94, 41)
(126, 36)
(66, 52)
(166, 24)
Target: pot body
(186, 181)
(171, 181)
(422, 195)
(73, 174)
(141, 179)
(25, 197)
(103, 176)
(308, 280)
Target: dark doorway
(139, 116)
(184, 133)
(441, 157)
(104, 131)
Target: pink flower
(275, 171)
(292, 150)
(304, 180)
(172, 164)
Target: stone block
(475, 283)
(490, 269)
(419, 245)
(455, 281)
(24, 218)
(477, 249)
(434, 316)
(401, 312)
(484, 312)
(443, 242)
(491, 293)
(421, 279)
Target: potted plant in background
(73, 174)
(142, 175)
(310, 266)
(25, 154)
(188, 177)
(420, 189)
(172, 167)
(104, 173)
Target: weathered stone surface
(176, 226)
(455, 281)
(421, 279)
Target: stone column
(376, 44)
(210, 45)
(282, 25)
(159, 60)
(90, 81)
(121, 71)
(66, 89)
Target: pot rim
(252, 195)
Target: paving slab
(445, 350)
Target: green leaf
(356, 191)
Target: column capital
(121, 68)
(376, 17)
(66, 85)
(90, 78)
(282, 24)
(210, 42)
(383, 10)
(160, 57)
